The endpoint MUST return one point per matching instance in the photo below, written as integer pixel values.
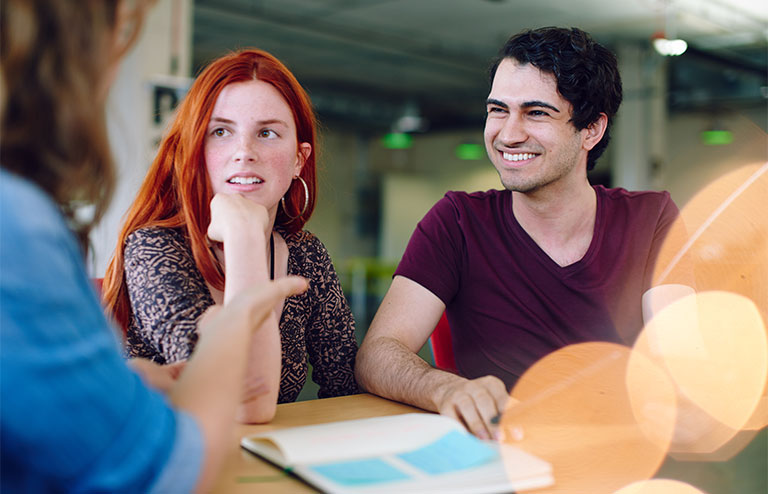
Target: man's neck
(561, 222)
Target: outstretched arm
(387, 363)
(210, 386)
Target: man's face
(528, 133)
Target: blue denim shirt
(73, 416)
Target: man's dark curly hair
(586, 72)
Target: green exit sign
(717, 137)
(470, 151)
(397, 141)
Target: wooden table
(245, 473)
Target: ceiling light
(669, 47)
(410, 120)
(665, 42)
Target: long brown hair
(55, 59)
(176, 191)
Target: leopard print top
(168, 295)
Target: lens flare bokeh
(577, 412)
(713, 346)
(659, 486)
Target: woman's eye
(219, 132)
(267, 133)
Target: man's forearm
(388, 368)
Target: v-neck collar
(573, 268)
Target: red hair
(176, 191)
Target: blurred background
(399, 87)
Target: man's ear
(594, 132)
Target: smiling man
(547, 262)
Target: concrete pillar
(639, 131)
(162, 56)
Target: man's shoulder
(622, 194)
(456, 206)
(476, 201)
(477, 196)
(635, 198)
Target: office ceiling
(367, 62)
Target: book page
(452, 452)
(350, 439)
(456, 463)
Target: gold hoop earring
(306, 200)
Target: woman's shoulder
(303, 241)
(157, 240)
(299, 237)
(306, 251)
(156, 235)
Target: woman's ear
(594, 132)
(305, 150)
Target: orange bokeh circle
(577, 412)
(659, 486)
(714, 347)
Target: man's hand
(475, 403)
(160, 377)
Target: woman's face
(250, 144)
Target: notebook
(414, 452)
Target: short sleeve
(667, 261)
(434, 255)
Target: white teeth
(245, 180)
(518, 156)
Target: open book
(413, 452)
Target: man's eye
(538, 113)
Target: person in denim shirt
(74, 417)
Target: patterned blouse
(168, 295)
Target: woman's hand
(159, 377)
(233, 214)
(242, 227)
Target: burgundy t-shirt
(508, 303)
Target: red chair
(442, 346)
(97, 283)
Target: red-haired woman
(221, 208)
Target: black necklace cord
(272, 256)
